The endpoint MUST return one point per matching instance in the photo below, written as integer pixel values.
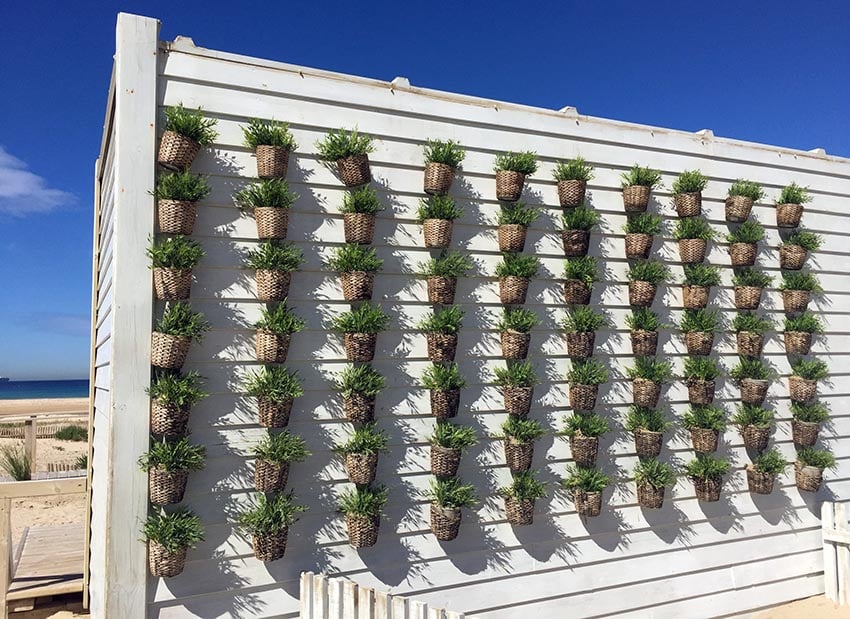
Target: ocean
(43, 389)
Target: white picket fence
(325, 597)
(836, 551)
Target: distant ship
(4, 379)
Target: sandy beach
(57, 405)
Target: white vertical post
(349, 599)
(335, 599)
(365, 603)
(306, 595)
(320, 596)
(842, 556)
(30, 442)
(830, 574)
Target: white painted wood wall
(836, 551)
(688, 559)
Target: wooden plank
(365, 603)
(320, 596)
(842, 555)
(335, 599)
(51, 562)
(6, 567)
(383, 605)
(43, 487)
(305, 595)
(830, 570)
(30, 442)
(350, 599)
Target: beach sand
(57, 405)
(817, 607)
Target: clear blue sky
(774, 72)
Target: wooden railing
(836, 551)
(31, 427)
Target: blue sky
(772, 72)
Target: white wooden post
(842, 558)
(30, 442)
(830, 574)
(5, 551)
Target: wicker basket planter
(575, 242)
(438, 232)
(638, 245)
(635, 198)
(644, 343)
(649, 496)
(271, 347)
(588, 504)
(512, 237)
(688, 204)
(738, 208)
(753, 390)
(177, 152)
(172, 284)
(272, 286)
(518, 400)
(441, 289)
(270, 476)
(797, 342)
(584, 450)
(354, 171)
(759, 482)
(444, 461)
(788, 215)
(518, 456)
(692, 251)
(699, 342)
(362, 530)
(808, 478)
(515, 344)
(441, 346)
(360, 347)
(802, 389)
(795, 301)
(583, 397)
(513, 290)
(509, 184)
(273, 414)
(707, 490)
(169, 351)
(701, 391)
(444, 402)
(747, 297)
(694, 297)
(359, 228)
(164, 563)
(804, 433)
(520, 513)
(571, 193)
(169, 419)
(749, 344)
(743, 254)
(704, 440)
(645, 392)
(576, 292)
(580, 345)
(756, 438)
(357, 285)
(445, 522)
(792, 257)
(438, 178)
(359, 408)
(641, 294)
(176, 216)
(270, 546)
(272, 222)
(166, 487)
(361, 468)
(272, 161)
(648, 443)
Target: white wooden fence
(836, 552)
(324, 597)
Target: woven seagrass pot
(437, 232)
(635, 198)
(164, 563)
(700, 391)
(699, 342)
(688, 204)
(520, 513)
(797, 342)
(694, 297)
(753, 390)
(511, 237)
(272, 413)
(743, 254)
(792, 257)
(271, 347)
(438, 178)
(587, 504)
(641, 294)
(172, 284)
(270, 476)
(583, 397)
(580, 345)
(169, 419)
(357, 285)
(272, 161)
(645, 392)
(692, 251)
(704, 440)
(270, 546)
(747, 297)
(444, 402)
(749, 344)
(176, 216)
(169, 351)
(576, 292)
(359, 228)
(272, 285)
(177, 152)
(272, 222)
(808, 478)
(794, 301)
(649, 496)
(445, 522)
(648, 443)
(638, 245)
(166, 487)
(359, 408)
(707, 490)
(354, 171)
(804, 433)
(360, 347)
(441, 346)
(509, 185)
(738, 208)
(441, 289)
(515, 344)
(802, 389)
(756, 438)
(575, 242)
(788, 215)
(518, 400)
(513, 290)
(444, 461)
(518, 456)
(759, 482)
(584, 450)
(644, 343)
(571, 193)
(361, 468)
(362, 530)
